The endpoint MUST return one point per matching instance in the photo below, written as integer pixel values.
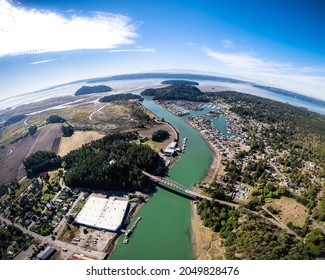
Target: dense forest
(177, 92)
(179, 82)
(41, 161)
(111, 163)
(120, 97)
(93, 89)
(247, 236)
(14, 119)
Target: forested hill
(306, 128)
(176, 92)
(179, 82)
(111, 163)
(120, 97)
(94, 89)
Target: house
(46, 254)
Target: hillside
(112, 162)
(120, 97)
(176, 92)
(179, 82)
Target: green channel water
(164, 232)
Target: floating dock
(129, 232)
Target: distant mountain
(121, 97)
(14, 119)
(177, 92)
(94, 89)
(165, 76)
(179, 82)
(291, 94)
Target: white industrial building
(103, 214)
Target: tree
(55, 119)
(67, 130)
(315, 242)
(32, 129)
(160, 135)
(69, 219)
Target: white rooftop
(103, 213)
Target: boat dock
(129, 232)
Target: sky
(277, 43)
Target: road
(91, 115)
(72, 249)
(178, 186)
(278, 223)
(318, 225)
(58, 230)
(25, 121)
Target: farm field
(78, 139)
(12, 156)
(290, 211)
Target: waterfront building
(103, 213)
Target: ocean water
(138, 85)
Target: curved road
(91, 115)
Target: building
(46, 254)
(170, 150)
(103, 214)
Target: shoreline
(215, 164)
(205, 243)
(204, 240)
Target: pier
(129, 232)
(180, 187)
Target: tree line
(111, 163)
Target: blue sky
(279, 43)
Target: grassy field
(152, 144)
(290, 211)
(78, 139)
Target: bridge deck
(178, 186)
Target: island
(94, 89)
(176, 92)
(180, 82)
(120, 97)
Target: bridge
(179, 187)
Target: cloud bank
(149, 50)
(301, 79)
(25, 31)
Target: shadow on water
(184, 195)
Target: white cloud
(24, 31)
(308, 79)
(246, 62)
(134, 50)
(42, 61)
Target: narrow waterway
(165, 229)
